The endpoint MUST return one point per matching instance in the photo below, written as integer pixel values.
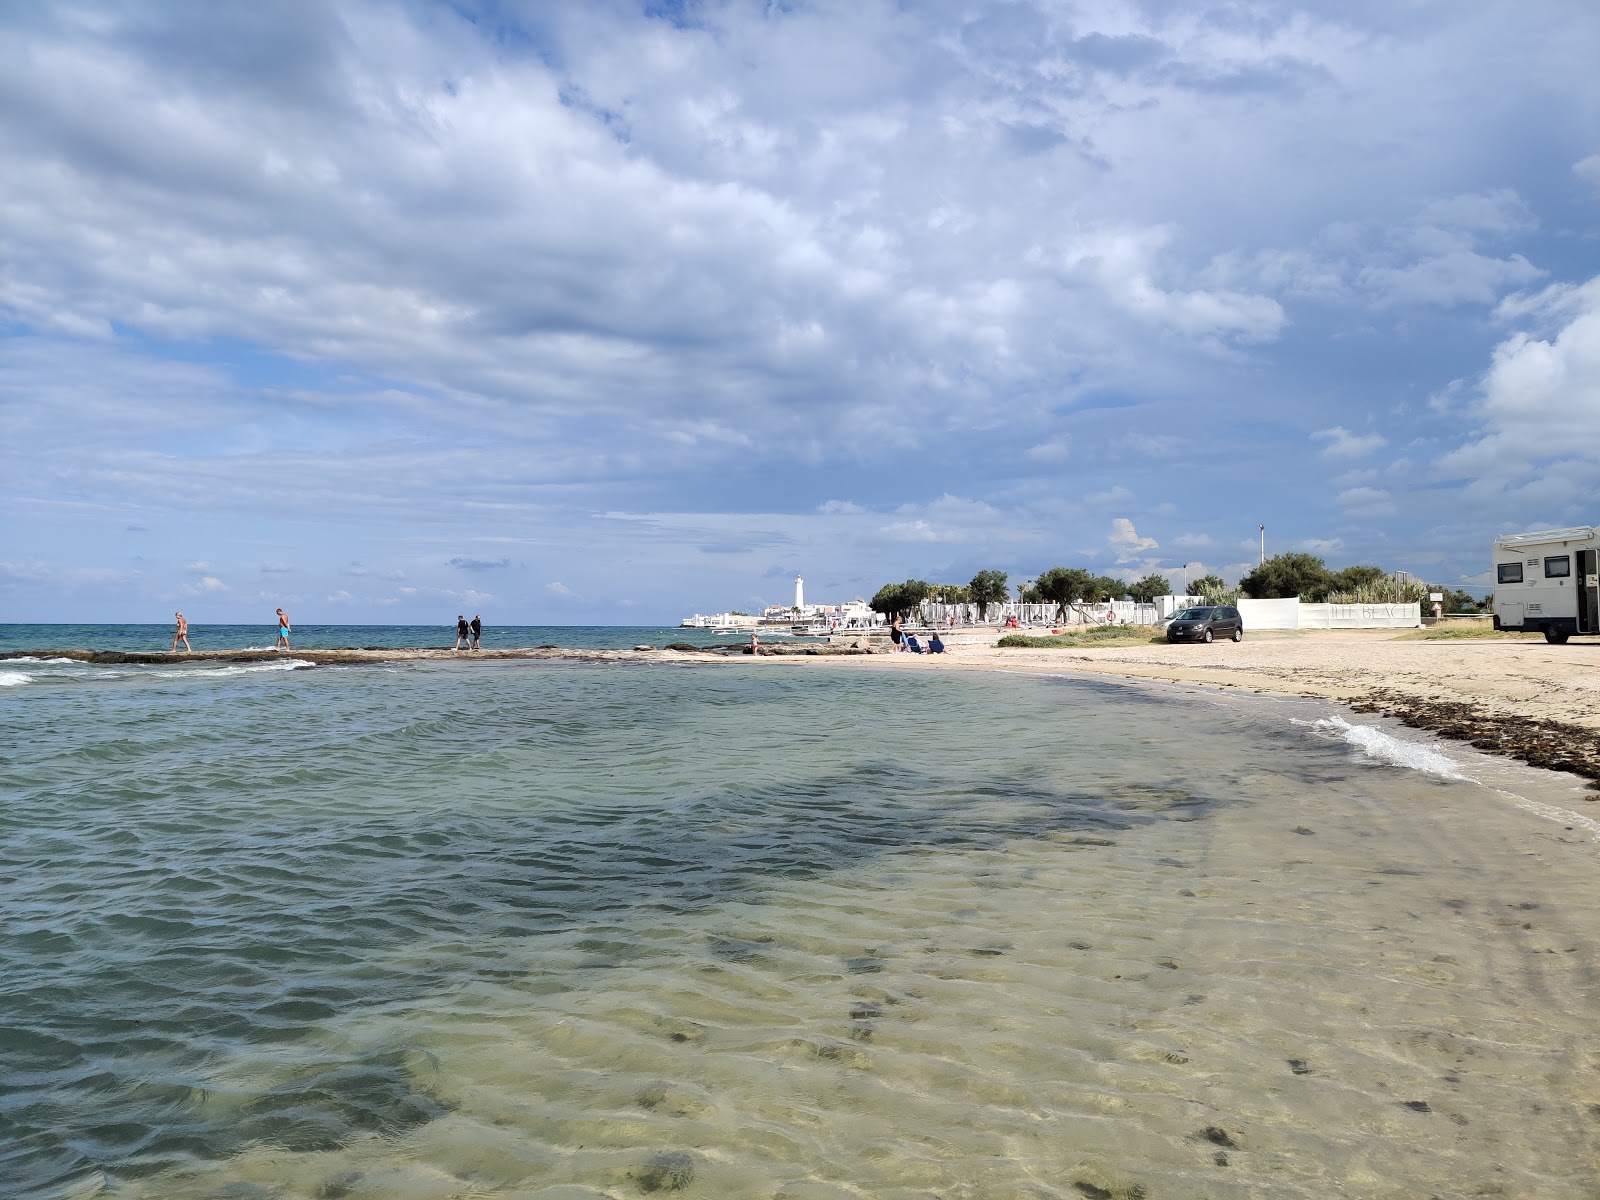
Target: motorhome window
(1557, 567)
(1510, 572)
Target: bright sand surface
(1514, 678)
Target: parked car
(1206, 624)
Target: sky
(607, 313)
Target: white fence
(1289, 613)
(1111, 612)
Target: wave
(282, 664)
(14, 678)
(1387, 748)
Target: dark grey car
(1206, 624)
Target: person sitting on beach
(182, 635)
(283, 631)
(912, 644)
(477, 630)
(463, 633)
(935, 645)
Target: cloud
(1344, 444)
(1193, 541)
(275, 568)
(1125, 540)
(840, 508)
(559, 589)
(197, 568)
(1365, 501)
(1057, 449)
(1538, 405)
(1117, 494)
(1588, 170)
(478, 564)
(1319, 545)
(340, 597)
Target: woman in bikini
(181, 636)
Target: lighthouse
(799, 593)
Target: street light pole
(1263, 545)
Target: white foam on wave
(1387, 748)
(282, 664)
(69, 662)
(14, 678)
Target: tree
(1148, 588)
(986, 588)
(1208, 587)
(1282, 575)
(896, 599)
(1102, 588)
(1061, 586)
(1458, 601)
(1353, 579)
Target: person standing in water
(463, 633)
(477, 629)
(181, 636)
(283, 631)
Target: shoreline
(1529, 701)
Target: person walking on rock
(477, 629)
(463, 633)
(283, 631)
(181, 636)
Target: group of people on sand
(468, 632)
(907, 642)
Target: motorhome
(1548, 581)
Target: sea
(797, 929)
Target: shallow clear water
(517, 929)
(153, 638)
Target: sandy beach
(1528, 700)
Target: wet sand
(1526, 700)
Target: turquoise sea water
(558, 929)
(148, 638)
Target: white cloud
(840, 508)
(559, 589)
(1588, 170)
(1344, 444)
(1193, 541)
(1320, 545)
(1117, 494)
(1125, 540)
(340, 597)
(1539, 401)
(1057, 449)
(1365, 501)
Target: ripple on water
(708, 933)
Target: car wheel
(1238, 635)
(1554, 638)
(1208, 635)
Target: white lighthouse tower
(799, 593)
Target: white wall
(1360, 616)
(1289, 613)
(1270, 614)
